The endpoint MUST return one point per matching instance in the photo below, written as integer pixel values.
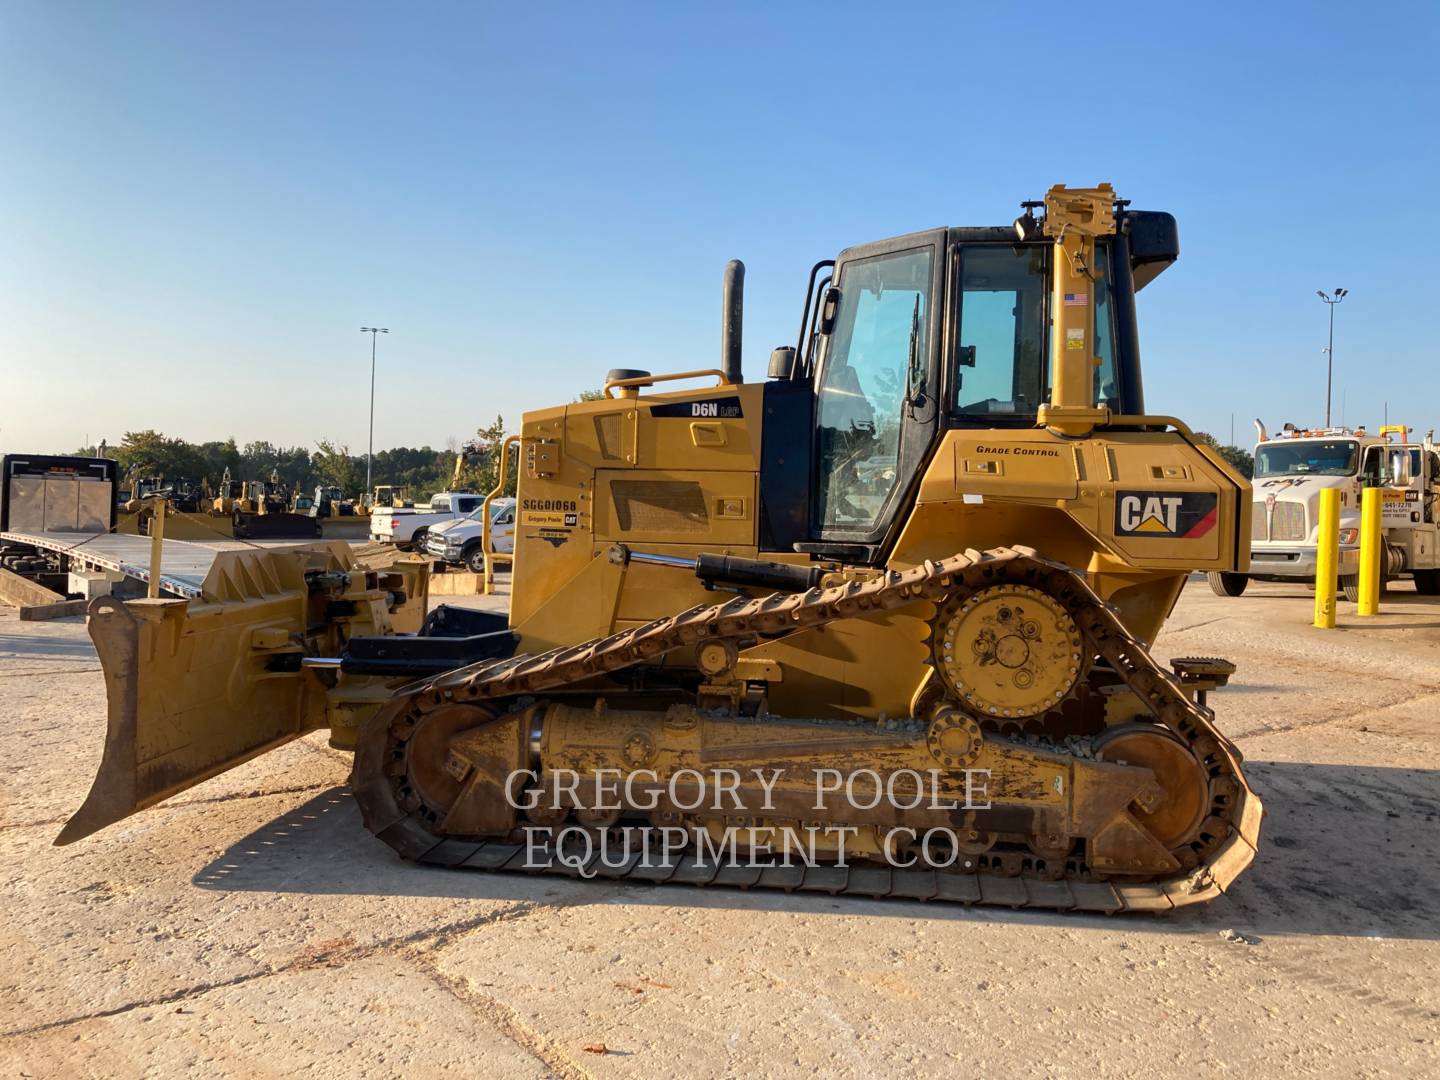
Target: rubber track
(1229, 837)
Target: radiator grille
(1258, 522)
(1287, 521)
(608, 437)
(659, 506)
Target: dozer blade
(187, 699)
(277, 527)
(196, 687)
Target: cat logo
(1162, 513)
(1155, 514)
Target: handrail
(1126, 420)
(503, 477)
(646, 380)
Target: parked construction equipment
(389, 495)
(815, 583)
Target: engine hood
(446, 526)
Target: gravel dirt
(250, 927)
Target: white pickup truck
(459, 542)
(406, 527)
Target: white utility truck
(1293, 467)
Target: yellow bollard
(1370, 541)
(1327, 558)
(157, 545)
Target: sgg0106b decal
(1185, 514)
(726, 408)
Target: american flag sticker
(1076, 299)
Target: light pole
(1330, 301)
(373, 331)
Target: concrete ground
(252, 927)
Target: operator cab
(905, 338)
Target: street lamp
(373, 331)
(1330, 300)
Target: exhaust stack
(732, 320)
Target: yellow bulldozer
(877, 625)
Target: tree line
(422, 471)
(1240, 459)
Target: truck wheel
(1350, 588)
(1427, 582)
(475, 560)
(1223, 584)
(417, 542)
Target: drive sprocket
(1010, 652)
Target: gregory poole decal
(551, 513)
(1186, 514)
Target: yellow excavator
(878, 625)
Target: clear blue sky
(201, 203)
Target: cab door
(877, 390)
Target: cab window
(1381, 466)
(1107, 391)
(1001, 350)
(1002, 365)
(879, 336)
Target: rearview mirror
(966, 356)
(829, 308)
(782, 362)
(1399, 461)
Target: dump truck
(877, 625)
(1297, 464)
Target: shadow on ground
(1347, 851)
(46, 647)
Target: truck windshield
(497, 511)
(1317, 457)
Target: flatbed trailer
(58, 515)
(183, 565)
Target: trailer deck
(183, 565)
